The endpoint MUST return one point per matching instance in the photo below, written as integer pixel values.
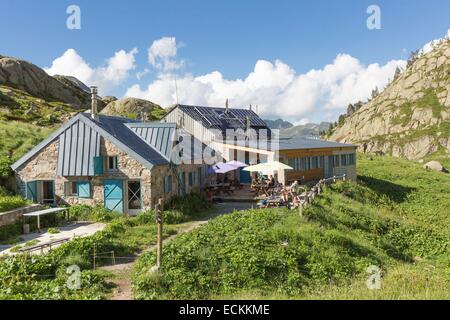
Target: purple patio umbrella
(221, 168)
(237, 164)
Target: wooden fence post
(159, 240)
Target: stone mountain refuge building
(127, 165)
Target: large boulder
(434, 165)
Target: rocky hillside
(278, 124)
(304, 130)
(410, 118)
(134, 108)
(33, 80)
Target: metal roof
(305, 143)
(157, 134)
(218, 118)
(80, 137)
(115, 129)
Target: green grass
(396, 218)
(45, 277)
(17, 138)
(12, 202)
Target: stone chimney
(247, 123)
(94, 111)
(226, 106)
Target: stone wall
(43, 166)
(157, 181)
(12, 216)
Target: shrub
(9, 231)
(174, 217)
(88, 213)
(193, 204)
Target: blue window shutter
(98, 166)
(84, 189)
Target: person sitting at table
(225, 178)
(271, 182)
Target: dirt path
(122, 271)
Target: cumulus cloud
(276, 88)
(162, 54)
(114, 72)
(430, 45)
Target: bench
(41, 246)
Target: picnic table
(40, 213)
(221, 187)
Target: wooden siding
(314, 174)
(78, 145)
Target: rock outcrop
(134, 108)
(411, 117)
(25, 76)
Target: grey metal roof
(157, 134)
(116, 129)
(78, 145)
(217, 118)
(305, 143)
(80, 142)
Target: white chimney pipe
(94, 111)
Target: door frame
(129, 211)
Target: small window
(343, 160)
(112, 163)
(71, 188)
(351, 160)
(80, 189)
(167, 184)
(191, 179)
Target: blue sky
(225, 36)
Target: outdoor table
(40, 213)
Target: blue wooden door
(113, 193)
(31, 191)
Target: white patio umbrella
(268, 167)
(237, 164)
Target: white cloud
(277, 89)
(114, 72)
(162, 54)
(430, 45)
(143, 73)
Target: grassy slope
(396, 218)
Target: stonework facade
(43, 167)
